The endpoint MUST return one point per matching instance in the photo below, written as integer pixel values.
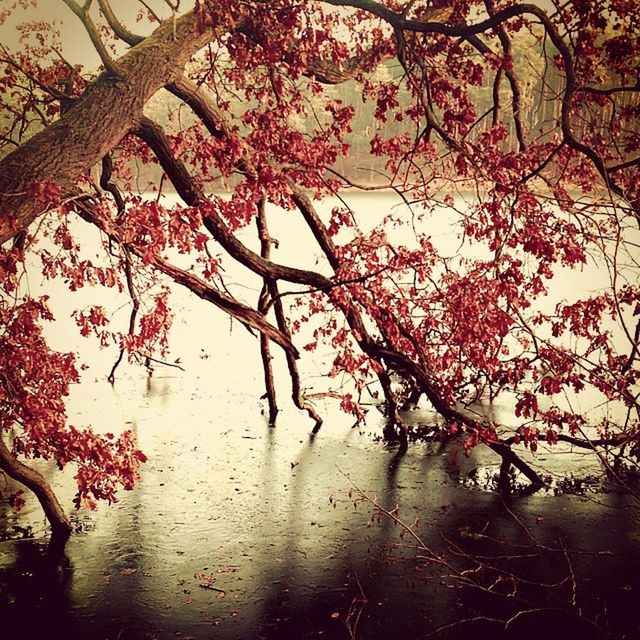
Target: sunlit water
(240, 531)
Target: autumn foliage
(514, 126)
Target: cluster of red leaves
(34, 382)
(472, 321)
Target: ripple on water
(271, 522)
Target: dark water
(240, 531)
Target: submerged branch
(263, 308)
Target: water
(237, 530)
(273, 521)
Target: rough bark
(96, 123)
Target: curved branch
(154, 136)
(37, 483)
(117, 27)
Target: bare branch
(118, 28)
(91, 29)
(263, 307)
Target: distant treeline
(541, 85)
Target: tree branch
(92, 31)
(230, 305)
(118, 28)
(96, 123)
(37, 483)
(263, 308)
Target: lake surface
(238, 531)
(273, 519)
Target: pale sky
(76, 46)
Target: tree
(532, 109)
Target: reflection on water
(237, 530)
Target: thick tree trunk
(35, 481)
(96, 123)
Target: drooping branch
(178, 174)
(107, 185)
(402, 363)
(369, 346)
(188, 191)
(135, 308)
(297, 394)
(268, 269)
(246, 315)
(271, 296)
(352, 314)
(153, 135)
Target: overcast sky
(76, 46)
